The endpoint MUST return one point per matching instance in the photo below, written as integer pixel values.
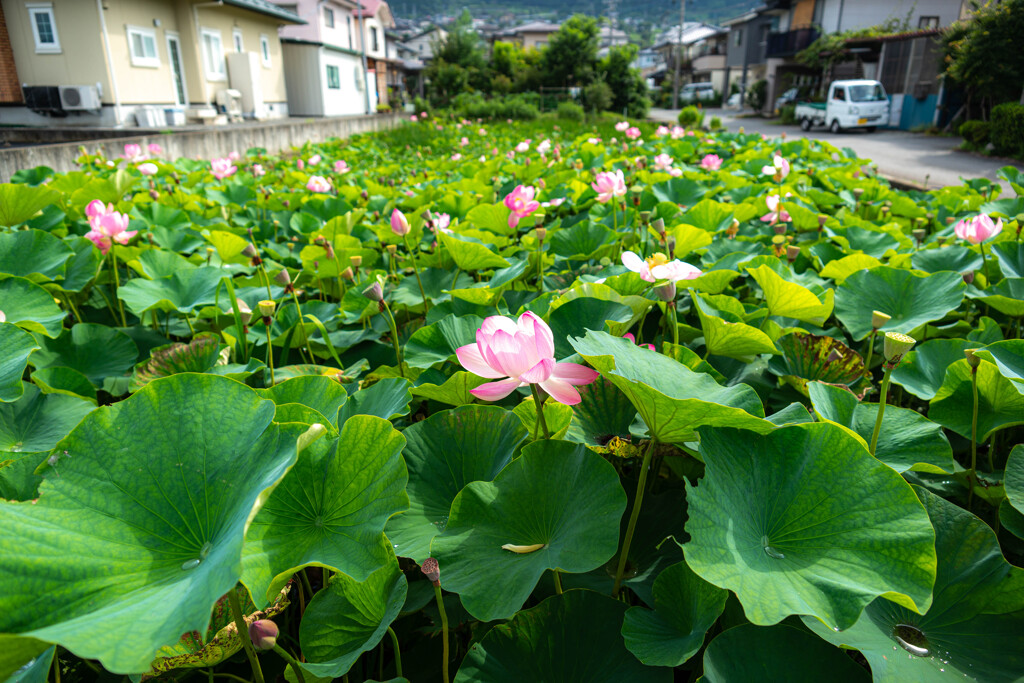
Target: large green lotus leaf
(907, 439)
(349, 617)
(157, 263)
(17, 345)
(683, 191)
(911, 298)
(81, 268)
(139, 531)
(568, 638)
(805, 521)
(685, 607)
(1009, 358)
(18, 478)
(841, 268)
(437, 342)
(790, 300)
(323, 394)
(493, 217)
(184, 292)
(37, 421)
(577, 316)
(583, 241)
(96, 351)
(61, 380)
(809, 357)
(922, 371)
(330, 510)
(29, 306)
(557, 495)
(444, 453)
(34, 254)
(199, 354)
(557, 417)
(952, 257)
(603, 412)
(19, 202)
(672, 399)
(471, 255)
(1011, 258)
(25, 660)
(975, 628)
(732, 339)
(1000, 404)
(748, 653)
(1014, 478)
(433, 385)
(386, 399)
(1007, 296)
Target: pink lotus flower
(775, 211)
(257, 170)
(233, 155)
(300, 164)
(711, 162)
(661, 131)
(675, 172)
(414, 118)
(631, 338)
(662, 162)
(148, 168)
(677, 132)
(399, 223)
(544, 147)
(522, 352)
(314, 160)
(133, 152)
(456, 157)
(222, 168)
(463, 142)
(318, 183)
(155, 149)
(3, 318)
(778, 170)
(556, 202)
(633, 133)
(622, 126)
(608, 185)
(341, 166)
(521, 203)
(659, 267)
(977, 229)
(482, 131)
(594, 141)
(108, 226)
(441, 223)
(523, 147)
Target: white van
(850, 104)
(697, 92)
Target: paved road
(911, 158)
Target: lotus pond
(510, 402)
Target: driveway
(908, 158)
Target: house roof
(373, 8)
(691, 34)
(268, 8)
(536, 27)
(426, 32)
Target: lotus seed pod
(431, 570)
(267, 308)
(347, 274)
(879, 319)
(249, 251)
(356, 260)
(896, 346)
(792, 253)
(283, 277)
(659, 225)
(374, 292)
(541, 233)
(263, 633)
(821, 220)
(858, 192)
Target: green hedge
(1007, 131)
(975, 132)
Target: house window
(142, 44)
(328, 17)
(265, 50)
(373, 39)
(213, 55)
(928, 22)
(236, 38)
(349, 19)
(333, 77)
(44, 27)
(737, 37)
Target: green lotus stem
(984, 262)
(444, 631)
(674, 321)
(398, 652)
(266, 280)
(394, 337)
(634, 515)
(540, 265)
(881, 406)
(305, 337)
(56, 666)
(416, 270)
(291, 662)
(243, 633)
(117, 286)
(871, 350)
(188, 322)
(71, 304)
(305, 582)
(558, 581)
(973, 476)
(270, 352)
(538, 403)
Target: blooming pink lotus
(456, 157)
(463, 141)
(257, 170)
(523, 147)
(659, 267)
(631, 338)
(544, 147)
(233, 155)
(318, 183)
(711, 162)
(3, 318)
(778, 170)
(521, 203)
(222, 168)
(399, 223)
(677, 132)
(523, 352)
(608, 185)
(441, 223)
(633, 133)
(662, 162)
(148, 168)
(341, 166)
(978, 229)
(133, 152)
(314, 160)
(108, 226)
(414, 118)
(775, 211)
(675, 172)
(661, 131)
(155, 149)
(594, 141)
(621, 126)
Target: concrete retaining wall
(200, 142)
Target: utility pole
(366, 69)
(679, 55)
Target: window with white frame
(213, 55)
(333, 77)
(328, 17)
(142, 46)
(350, 44)
(265, 50)
(236, 38)
(374, 46)
(44, 27)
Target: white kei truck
(850, 104)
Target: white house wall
(350, 98)
(858, 14)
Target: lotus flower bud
(244, 312)
(667, 292)
(896, 346)
(972, 359)
(267, 308)
(263, 633)
(968, 277)
(283, 277)
(879, 319)
(347, 274)
(399, 223)
(431, 570)
(659, 225)
(541, 233)
(355, 260)
(250, 251)
(374, 292)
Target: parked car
(850, 104)
(791, 96)
(734, 101)
(697, 92)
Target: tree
(570, 59)
(629, 93)
(458, 65)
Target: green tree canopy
(982, 52)
(570, 58)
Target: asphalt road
(910, 158)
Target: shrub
(383, 108)
(1007, 129)
(569, 111)
(716, 123)
(597, 96)
(756, 94)
(787, 114)
(474, 106)
(975, 132)
(421, 105)
(691, 116)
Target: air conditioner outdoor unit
(79, 97)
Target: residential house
(144, 62)
(703, 54)
(531, 36)
(422, 44)
(609, 37)
(375, 18)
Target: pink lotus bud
(263, 634)
(399, 223)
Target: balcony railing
(788, 43)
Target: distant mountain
(657, 12)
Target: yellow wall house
(146, 62)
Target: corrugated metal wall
(302, 79)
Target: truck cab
(850, 104)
